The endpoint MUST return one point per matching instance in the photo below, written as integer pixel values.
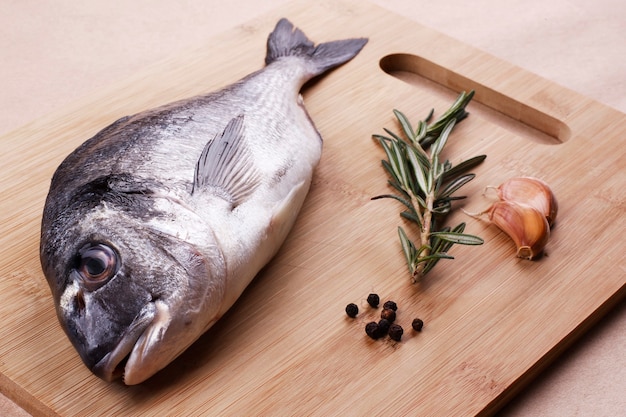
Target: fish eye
(97, 263)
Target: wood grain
(492, 321)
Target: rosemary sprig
(425, 186)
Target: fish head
(129, 297)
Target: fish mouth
(112, 365)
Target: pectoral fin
(226, 166)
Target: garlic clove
(524, 224)
(533, 192)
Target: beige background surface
(53, 53)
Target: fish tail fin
(286, 40)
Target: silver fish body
(154, 227)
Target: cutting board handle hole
(504, 111)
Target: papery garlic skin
(533, 192)
(524, 224)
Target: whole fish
(154, 227)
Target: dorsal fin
(225, 165)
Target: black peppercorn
(395, 332)
(417, 325)
(391, 305)
(372, 330)
(388, 314)
(352, 310)
(373, 300)
(383, 326)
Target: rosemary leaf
(439, 245)
(454, 185)
(411, 216)
(437, 256)
(406, 125)
(442, 209)
(430, 116)
(410, 253)
(463, 166)
(393, 136)
(405, 179)
(388, 168)
(398, 188)
(397, 198)
(461, 238)
(446, 245)
(419, 166)
(442, 139)
(392, 162)
(422, 129)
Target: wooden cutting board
(492, 321)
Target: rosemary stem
(428, 214)
(426, 219)
(426, 186)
